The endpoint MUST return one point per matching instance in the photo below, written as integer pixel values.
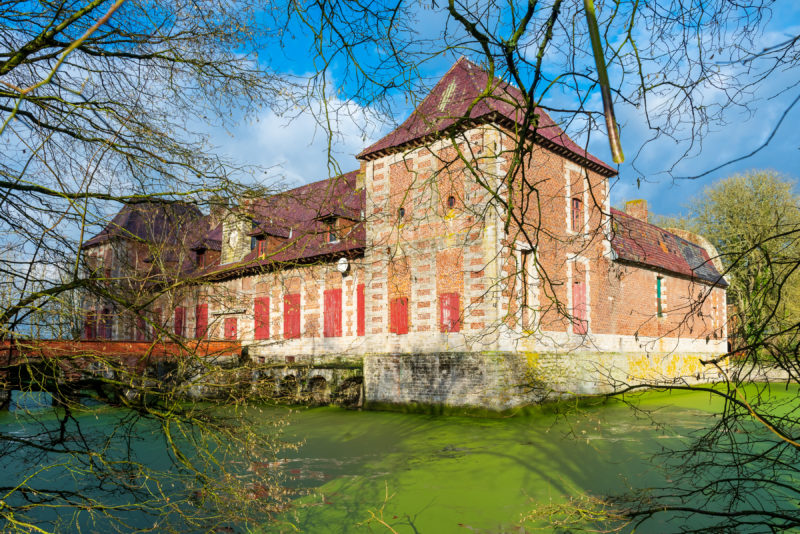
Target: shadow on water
(440, 474)
(447, 474)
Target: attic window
(262, 246)
(253, 240)
(332, 231)
(201, 258)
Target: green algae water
(438, 474)
(422, 473)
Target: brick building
(453, 270)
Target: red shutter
(201, 321)
(361, 322)
(291, 316)
(141, 329)
(333, 313)
(106, 329)
(180, 314)
(449, 312)
(261, 310)
(230, 328)
(157, 322)
(398, 315)
(393, 316)
(90, 326)
(579, 322)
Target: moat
(437, 473)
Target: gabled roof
(152, 222)
(448, 104)
(641, 243)
(297, 215)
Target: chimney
(637, 208)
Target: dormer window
(332, 231)
(253, 239)
(261, 245)
(200, 256)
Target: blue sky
(295, 148)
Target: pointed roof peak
(457, 101)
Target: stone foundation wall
(506, 380)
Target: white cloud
(299, 147)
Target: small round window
(451, 201)
(401, 212)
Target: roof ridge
(295, 189)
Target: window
(230, 328)
(90, 326)
(261, 312)
(577, 215)
(253, 242)
(526, 257)
(398, 315)
(262, 246)
(401, 212)
(449, 312)
(659, 292)
(332, 236)
(201, 321)
(180, 321)
(291, 316)
(580, 324)
(141, 329)
(451, 201)
(361, 322)
(333, 313)
(201, 258)
(157, 320)
(106, 326)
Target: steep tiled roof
(638, 242)
(296, 216)
(211, 240)
(152, 222)
(450, 100)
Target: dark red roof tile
(636, 241)
(153, 222)
(457, 96)
(296, 216)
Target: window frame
(396, 325)
(231, 329)
(449, 305)
(292, 329)
(576, 214)
(332, 312)
(261, 320)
